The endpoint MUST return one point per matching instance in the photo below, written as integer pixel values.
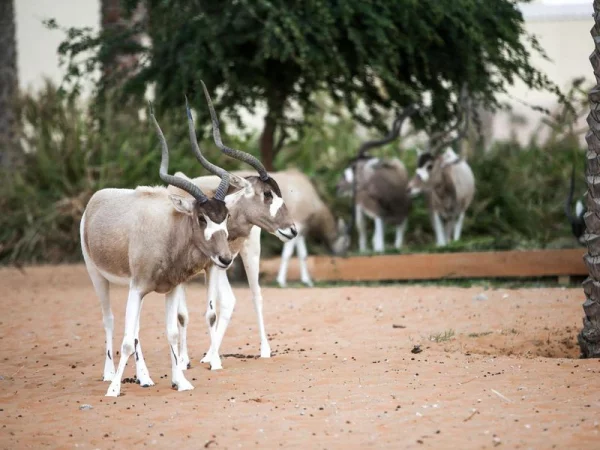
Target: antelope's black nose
(225, 261)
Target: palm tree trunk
(10, 151)
(589, 337)
(117, 67)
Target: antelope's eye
(429, 166)
(268, 194)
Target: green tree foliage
(69, 158)
(384, 53)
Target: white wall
(37, 57)
(563, 30)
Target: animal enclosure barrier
(437, 266)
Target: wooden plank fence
(432, 266)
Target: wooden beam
(432, 266)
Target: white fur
(284, 234)
(400, 230)
(361, 226)
(234, 197)
(298, 244)
(371, 163)
(378, 233)
(276, 204)
(302, 255)
(101, 287)
(132, 311)
(449, 157)
(349, 175)
(578, 208)
(378, 236)
(463, 185)
(458, 226)
(213, 227)
(171, 305)
(423, 174)
(439, 230)
(220, 290)
(286, 255)
(250, 254)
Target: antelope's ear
(182, 175)
(232, 199)
(182, 205)
(175, 189)
(239, 182)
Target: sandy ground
(342, 375)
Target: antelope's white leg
(132, 311)
(302, 255)
(400, 230)
(182, 322)
(102, 287)
(226, 306)
(286, 254)
(458, 226)
(378, 235)
(211, 314)
(438, 227)
(171, 304)
(361, 226)
(141, 370)
(250, 254)
(449, 228)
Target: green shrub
(74, 150)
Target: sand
(495, 370)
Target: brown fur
(248, 211)
(138, 234)
(450, 188)
(303, 202)
(381, 189)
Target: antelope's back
(120, 222)
(298, 192)
(382, 188)
(464, 183)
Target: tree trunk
(10, 152)
(267, 139)
(268, 149)
(589, 337)
(117, 67)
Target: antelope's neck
(186, 259)
(238, 225)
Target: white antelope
(259, 205)
(446, 180)
(152, 241)
(311, 216)
(448, 184)
(378, 188)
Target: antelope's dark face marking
(212, 218)
(420, 180)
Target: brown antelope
(446, 180)
(259, 205)
(378, 187)
(152, 241)
(310, 213)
